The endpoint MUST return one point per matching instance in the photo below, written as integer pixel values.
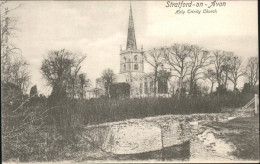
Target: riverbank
(243, 134)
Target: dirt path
(235, 140)
(203, 150)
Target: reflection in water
(176, 152)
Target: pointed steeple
(131, 41)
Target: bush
(119, 90)
(221, 90)
(250, 89)
(105, 110)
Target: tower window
(124, 59)
(124, 67)
(136, 66)
(135, 57)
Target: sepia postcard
(122, 81)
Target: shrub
(221, 90)
(119, 90)
(105, 110)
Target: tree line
(188, 64)
(191, 63)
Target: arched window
(135, 57)
(124, 67)
(124, 59)
(145, 87)
(136, 66)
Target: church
(132, 68)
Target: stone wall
(151, 133)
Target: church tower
(131, 59)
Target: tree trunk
(211, 89)
(235, 86)
(180, 87)
(219, 83)
(191, 86)
(108, 91)
(155, 81)
(82, 91)
(226, 77)
(73, 90)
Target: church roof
(131, 41)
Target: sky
(98, 28)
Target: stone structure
(131, 59)
(153, 133)
(132, 66)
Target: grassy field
(244, 134)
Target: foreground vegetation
(41, 130)
(97, 111)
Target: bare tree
(218, 62)
(8, 33)
(199, 60)
(155, 58)
(19, 74)
(73, 83)
(221, 62)
(177, 57)
(236, 70)
(108, 78)
(13, 68)
(210, 75)
(252, 71)
(226, 67)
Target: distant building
(132, 68)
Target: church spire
(131, 41)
